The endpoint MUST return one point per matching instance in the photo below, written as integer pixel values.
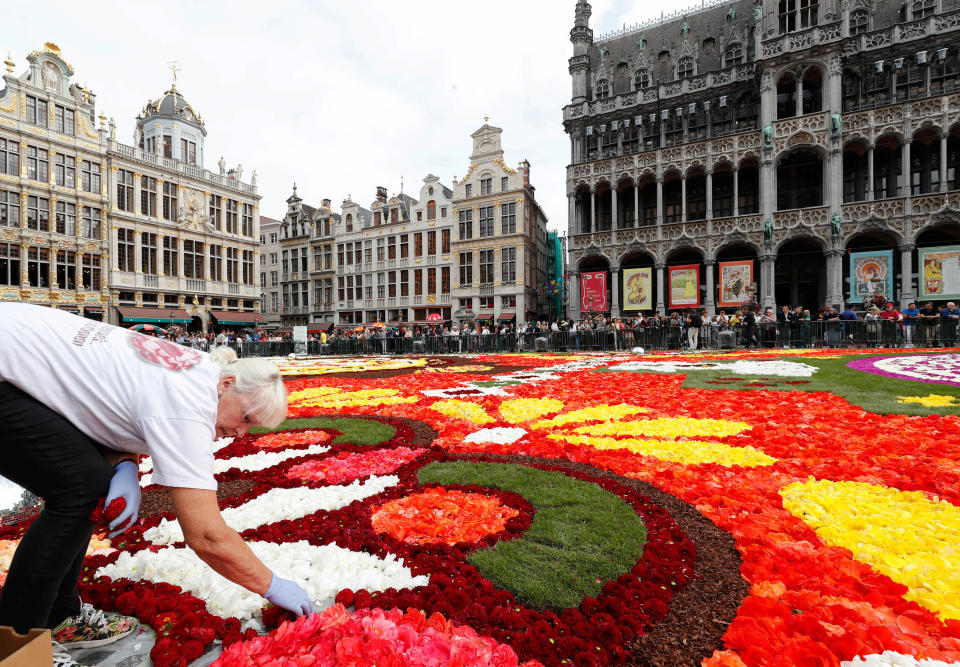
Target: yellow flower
(463, 410)
(930, 400)
(323, 366)
(596, 425)
(521, 410)
(332, 398)
(903, 534)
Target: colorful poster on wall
(871, 273)
(939, 272)
(636, 289)
(593, 292)
(684, 286)
(736, 282)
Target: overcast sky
(340, 95)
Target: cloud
(338, 96)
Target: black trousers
(47, 455)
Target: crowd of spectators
(747, 326)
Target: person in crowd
(694, 321)
(889, 324)
(749, 328)
(928, 319)
(949, 319)
(78, 411)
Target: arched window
(349, 222)
(641, 79)
(603, 89)
(859, 21)
(684, 67)
(787, 96)
(812, 90)
(800, 180)
(733, 55)
(431, 210)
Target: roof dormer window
(684, 67)
(603, 89)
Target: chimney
(525, 169)
(326, 203)
(381, 194)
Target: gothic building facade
(774, 138)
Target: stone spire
(582, 38)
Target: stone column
(683, 197)
(709, 194)
(573, 297)
(659, 201)
(613, 207)
(906, 275)
(943, 162)
(905, 170)
(137, 249)
(767, 272)
(710, 301)
(572, 225)
(736, 192)
(614, 292)
(136, 191)
(160, 238)
(834, 277)
(24, 262)
(593, 209)
(636, 203)
(660, 271)
(870, 193)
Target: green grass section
(353, 431)
(581, 535)
(876, 393)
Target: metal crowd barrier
(798, 334)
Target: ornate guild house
(792, 153)
(122, 233)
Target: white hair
(259, 381)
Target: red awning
(235, 318)
(486, 317)
(317, 327)
(132, 315)
(283, 330)
(507, 317)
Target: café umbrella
(434, 317)
(148, 329)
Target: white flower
(502, 435)
(741, 367)
(279, 504)
(322, 571)
(888, 658)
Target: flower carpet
(585, 510)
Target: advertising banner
(684, 285)
(939, 272)
(636, 289)
(871, 272)
(736, 278)
(593, 292)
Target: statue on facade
(768, 136)
(253, 177)
(732, 14)
(113, 130)
(685, 29)
(603, 53)
(223, 166)
(768, 230)
(836, 227)
(835, 124)
(138, 136)
(758, 13)
(238, 172)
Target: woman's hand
(289, 595)
(124, 484)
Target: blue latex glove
(125, 484)
(289, 595)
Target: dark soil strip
(699, 614)
(423, 433)
(157, 501)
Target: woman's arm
(217, 544)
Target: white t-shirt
(127, 391)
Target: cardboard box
(33, 649)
